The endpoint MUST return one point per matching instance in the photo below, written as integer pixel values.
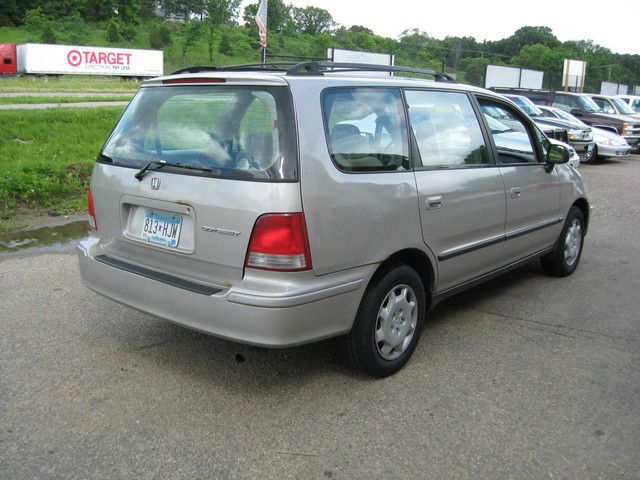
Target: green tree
(312, 20)
(128, 32)
(165, 33)
(159, 35)
(189, 35)
(218, 13)
(155, 37)
(113, 33)
(178, 8)
(128, 10)
(539, 57)
(474, 70)
(278, 15)
(97, 10)
(147, 9)
(76, 27)
(225, 47)
(34, 20)
(48, 35)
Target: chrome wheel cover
(572, 242)
(396, 322)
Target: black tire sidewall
(556, 264)
(371, 362)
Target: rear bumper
(289, 314)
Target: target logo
(74, 57)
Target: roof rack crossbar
(317, 68)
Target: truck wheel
(565, 257)
(388, 324)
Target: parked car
(579, 136)
(502, 115)
(608, 144)
(583, 107)
(258, 206)
(609, 104)
(499, 119)
(632, 100)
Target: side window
(446, 128)
(604, 104)
(366, 129)
(511, 136)
(7, 61)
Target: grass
(12, 223)
(27, 99)
(67, 83)
(46, 156)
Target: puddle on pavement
(60, 238)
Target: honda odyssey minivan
(277, 205)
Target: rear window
(238, 132)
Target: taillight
(279, 242)
(92, 211)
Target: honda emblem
(155, 183)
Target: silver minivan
(277, 205)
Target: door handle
(434, 202)
(516, 192)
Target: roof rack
(519, 89)
(268, 66)
(317, 68)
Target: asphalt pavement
(527, 376)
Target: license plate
(162, 228)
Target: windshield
(496, 126)
(588, 104)
(236, 131)
(527, 105)
(567, 116)
(623, 106)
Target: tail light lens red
(92, 211)
(279, 242)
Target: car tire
(593, 157)
(392, 312)
(566, 254)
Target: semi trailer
(46, 59)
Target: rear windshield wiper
(163, 163)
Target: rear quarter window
(366, 129)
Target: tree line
(218, 28)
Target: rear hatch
(219, 155)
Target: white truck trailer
(45, 59)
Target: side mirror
(557, 154)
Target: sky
(615, 28)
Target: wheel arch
(416, 259)
(583, 205)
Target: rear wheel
(388, 324)
(565, 257)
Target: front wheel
(565, 257)
(388, 324)
(592, 157)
